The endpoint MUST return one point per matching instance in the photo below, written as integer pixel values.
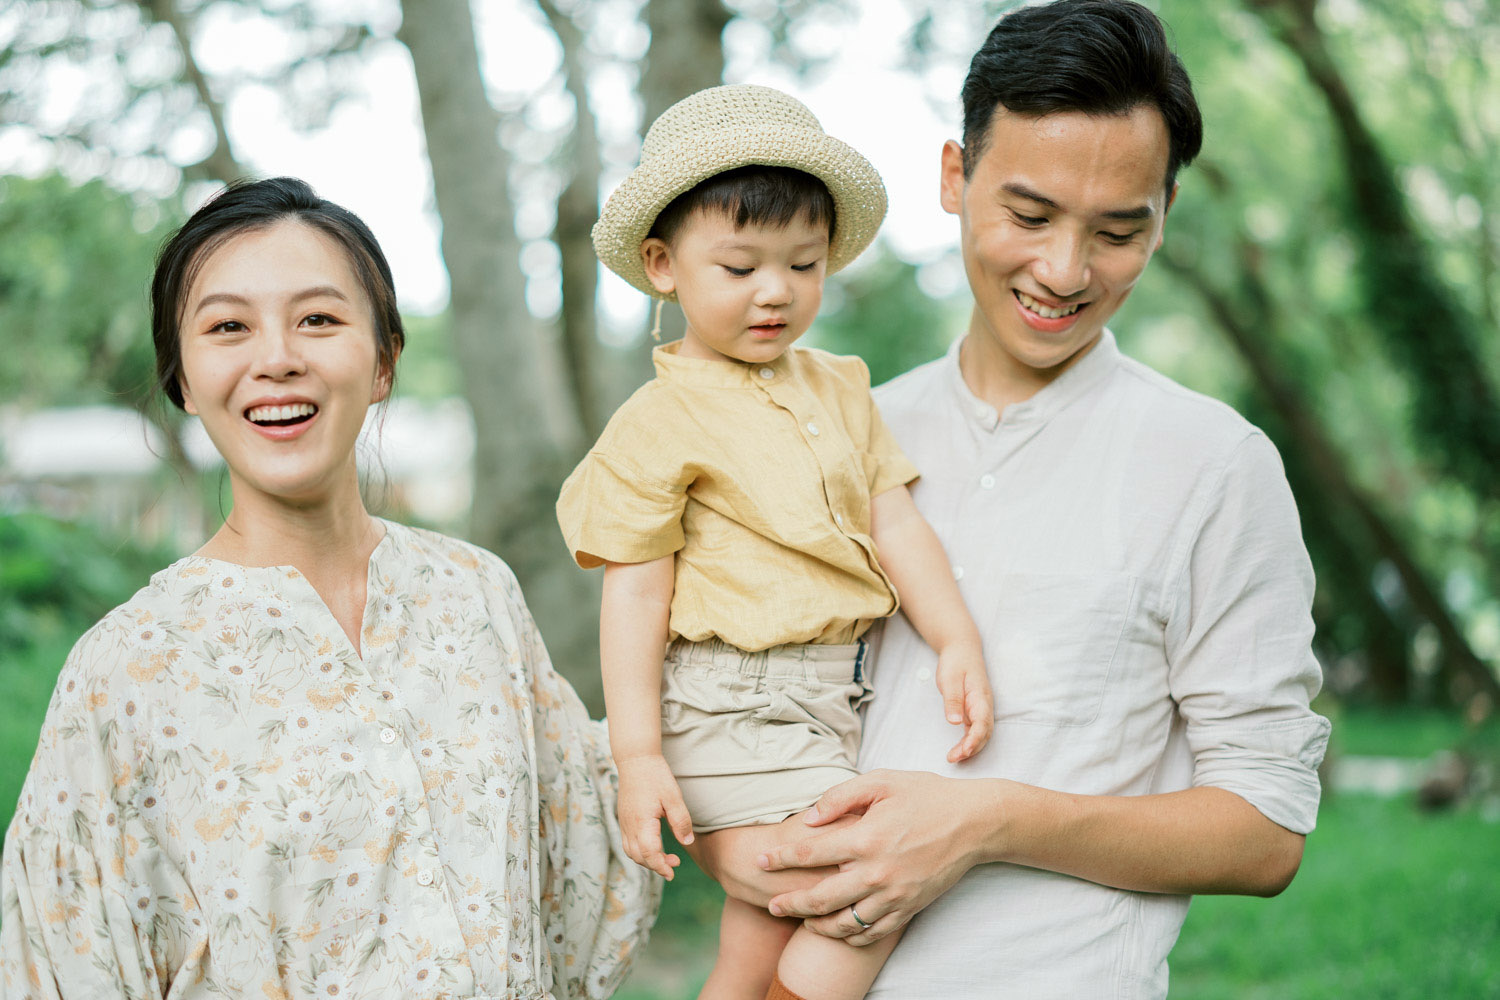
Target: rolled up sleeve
(1239, 642)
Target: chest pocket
(1052, 642)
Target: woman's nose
(278, 354)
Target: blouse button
(387, 735)
(812, 428)
(987, 481)
(767, 372)
(424, 877)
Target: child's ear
(657, 257)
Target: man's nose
(1063, 265)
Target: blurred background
(1330, 270)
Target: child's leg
(750, 940)
(815, 967)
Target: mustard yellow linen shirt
(759, 477)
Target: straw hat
(722, 128)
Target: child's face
(747, 293)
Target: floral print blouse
(229, 801)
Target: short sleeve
(886, 465)
(1239, 643)
(624, 502)
(597, 906)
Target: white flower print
(429, 750)
(230, 893)
(227, 580)
(169, 731)
(475, 907)
(271, 612)
(422, 977)
(149, 802)
(148, 637)
(353, 882)
(129, 710)
(448, 647)
(331, 984)
(303, 725)
(238, 668)
(347, 757)
(496, 788)
(304, 815)
(223, 787)
(69, 691)
(141, 898)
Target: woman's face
(279, 361)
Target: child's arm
(914, 559)
(632, 637)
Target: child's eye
(738, 272)
(804, 267)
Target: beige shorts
(754, 737)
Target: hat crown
(731, 108)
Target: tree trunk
(577, 209)
(1472, 683)
(526, 431)
(220, 164)
(1422, 324)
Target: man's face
(1058, 219)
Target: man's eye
(738, 272)
(1118, 238)
(1028, 220)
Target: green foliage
(880, 313)
(57, 578)
(75, 263)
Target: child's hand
(647, 793)
(967, 700)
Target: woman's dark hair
(1101, 57)
(762, 195)
(249, 206)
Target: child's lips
(767, 331)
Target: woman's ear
(657, 257)
(187, 396)
(385, 376)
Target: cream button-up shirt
(1132, 555)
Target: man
(1129, 549)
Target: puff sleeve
(624, 502)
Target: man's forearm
(1199, 840)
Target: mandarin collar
(673, 367)
(1051, 399)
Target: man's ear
(1161, 237)
(951, 191)
(657, 257)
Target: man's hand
(967, 701)
(647, 793)
(915, 839)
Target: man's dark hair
(1101, 57)
(254, 206)
(762, 195)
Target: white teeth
(268, 414)
(1044, 311)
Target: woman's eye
(227, 326)
(318, 320)
(738, 272)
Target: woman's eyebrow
(316, 292)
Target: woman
(326, 755)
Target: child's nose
(773, 289)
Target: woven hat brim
(859, 197)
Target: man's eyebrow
(1138, 212)
(316, 292)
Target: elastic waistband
(827, 661)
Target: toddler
(751, 512)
